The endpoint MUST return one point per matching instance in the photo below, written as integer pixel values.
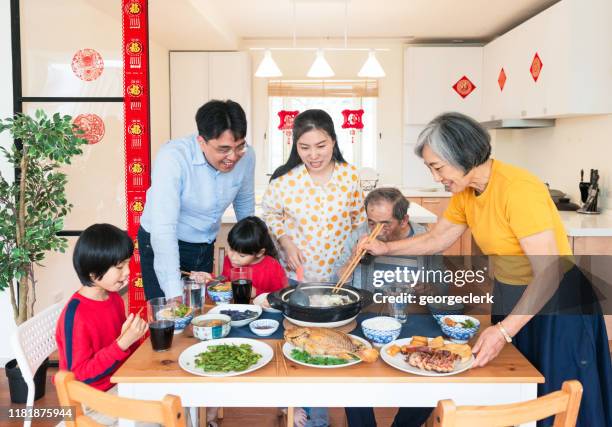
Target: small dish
(219, 330)
(180, 323)
(458, 333)
(381, 330)
(264, 327)
(219, 309)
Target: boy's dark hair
(249, 236)
(215, 117)
(392, 195)
(100, 247)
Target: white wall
(557, 154)
(7, 324)
(295, 64)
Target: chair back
(563, 404)
(33, 341)
(73, 393)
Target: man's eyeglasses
(227, 151)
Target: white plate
(187, 358)
(398, 361)
(262, 301)
(287, 347)
(320, 325)
(239, 307)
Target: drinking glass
(242, 283)
(397, 309)
(193, 297)
(160, 314)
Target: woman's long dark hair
(249, 236)
(305, 122)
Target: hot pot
(359, 299)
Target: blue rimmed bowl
(220, 293)
(438, 311)
(381, 330)
(458, 333)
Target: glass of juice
(160, 314)
(242, 283)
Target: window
(362, 153)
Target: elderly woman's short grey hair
(457, 139)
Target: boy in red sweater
(93, 335)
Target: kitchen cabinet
(600, 267)
(574, 44)
(438, 205)
(429, 76)
(197, 77)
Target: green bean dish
(227, 358)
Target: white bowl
(211, 332)
(381, 330)
(264, 327)
(262, 301)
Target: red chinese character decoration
(353, 120)
(286, 123)
(136, 130)
(536, 67)
(464, 87)
(92, 126)
(501, 79)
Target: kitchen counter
(420, 191)
(416, 212)
(579, 225)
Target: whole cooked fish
(329, 342)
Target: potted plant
(34, 203)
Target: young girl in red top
(250, 245)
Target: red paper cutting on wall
(464, 87)
(92, 125)
(87, 64)
(501, 79)
(353, 120)
(136, 131)
(536, 67)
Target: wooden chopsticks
(355, 261)
(279, 346)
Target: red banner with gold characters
(137, 135)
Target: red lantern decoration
(353, 120)
(286, 123)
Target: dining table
(150, 375)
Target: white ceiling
(224, 24)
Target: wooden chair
(564, 404)
(168, 412)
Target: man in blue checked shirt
(193, 182)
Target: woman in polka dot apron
(314, 200)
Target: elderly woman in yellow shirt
(512, 217)
(314, 200)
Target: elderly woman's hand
(201, 276)
(489, 344)
(375, 247)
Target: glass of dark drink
(242, 283)
(160, 314)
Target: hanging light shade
(320, 67)
(371, 68)
(267, 66)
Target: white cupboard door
(189, 90)
(431, 73)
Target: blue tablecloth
(417, 324)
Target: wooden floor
(233, 417)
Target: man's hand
(375, 246)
